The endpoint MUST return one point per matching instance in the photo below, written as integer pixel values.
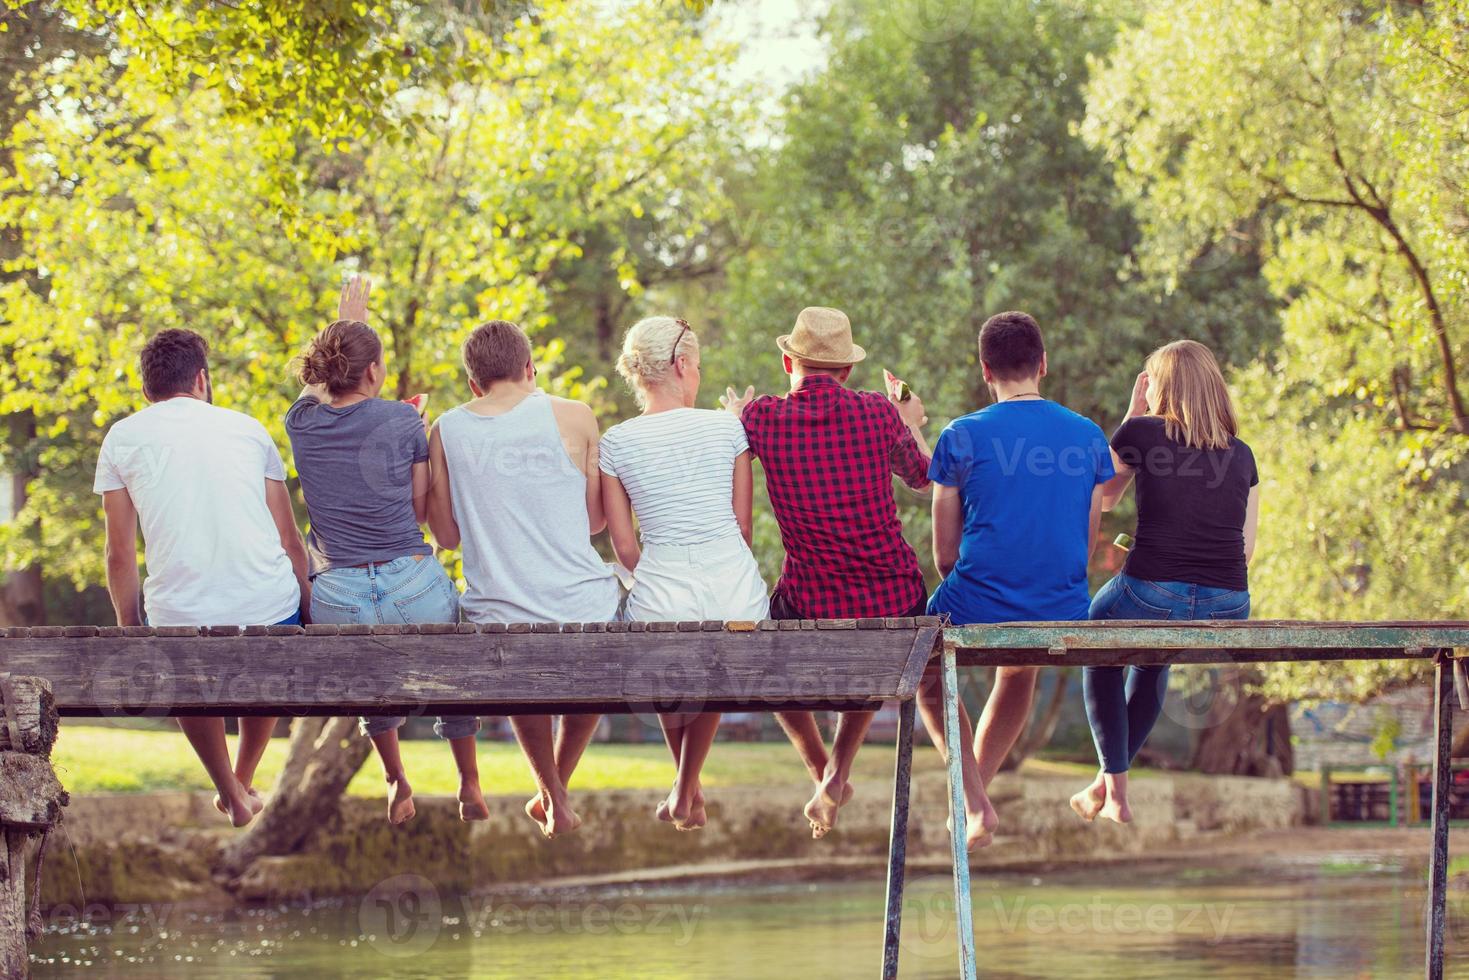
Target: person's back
(520, 502)
(196, 474)
(829, 455)
(355, 463)
(1026, 471)
(1191, 506)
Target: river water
(1343, 916)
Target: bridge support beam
(31, 799)
(1438, 864)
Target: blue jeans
(1122, 713)
(405, 590)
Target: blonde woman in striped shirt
(685, 472)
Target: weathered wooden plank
(446, 673)
(1134, 634)
(1121, 656)
(768, 624)
(75, 631)
(836, 624)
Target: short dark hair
(170, 361)
(495, 351)
(1010, 344)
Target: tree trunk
(22, 601)
(1041, 728)
(1244, 735)
(325, 754)
(14, 961)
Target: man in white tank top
(515, 482)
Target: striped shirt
(678, 470)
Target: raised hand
(1139, 404)
(735, 403)
(353, 304)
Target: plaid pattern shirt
(829, 455)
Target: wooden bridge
(503, 669)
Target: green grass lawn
(104, 758)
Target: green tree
(1333, 136)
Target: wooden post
(963, 914)
(898, 839)
(30, 804)
(1438, 864)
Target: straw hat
(822, 338)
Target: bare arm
(440, 514)
(948, 527)
(1252, 522)
(1114, 488)
(744, 496)
(1137, 406)
(278, 499)
(618, 508)
(584, 423)
(122, 557)
(1094, 519)
(420, 491)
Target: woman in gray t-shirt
(363, 464)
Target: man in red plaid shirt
(829, 455)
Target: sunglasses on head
(683, 329)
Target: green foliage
(1333, 135)
(143, 207)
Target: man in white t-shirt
(220, 538)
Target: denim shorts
(412, 589)
(1126, 597)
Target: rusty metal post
(958, 840)
(898, 839)
(1438, 863)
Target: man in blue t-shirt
(1016, 506)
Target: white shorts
(715, 580)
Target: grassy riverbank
(109, 759)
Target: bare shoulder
(573, 413)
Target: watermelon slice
(419, 403)
(896, 387)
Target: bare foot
(1117, 810)
(689, 816)
(560, 820)
(979, 828)
(400, 802)
(243, 810)
(535, 808)
(472, 804)
(1088, 803)
(821, 811)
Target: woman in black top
(1198, 500)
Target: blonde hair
(1186, 390)
(648, 352)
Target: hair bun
(337, 357)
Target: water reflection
(1318, 918)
